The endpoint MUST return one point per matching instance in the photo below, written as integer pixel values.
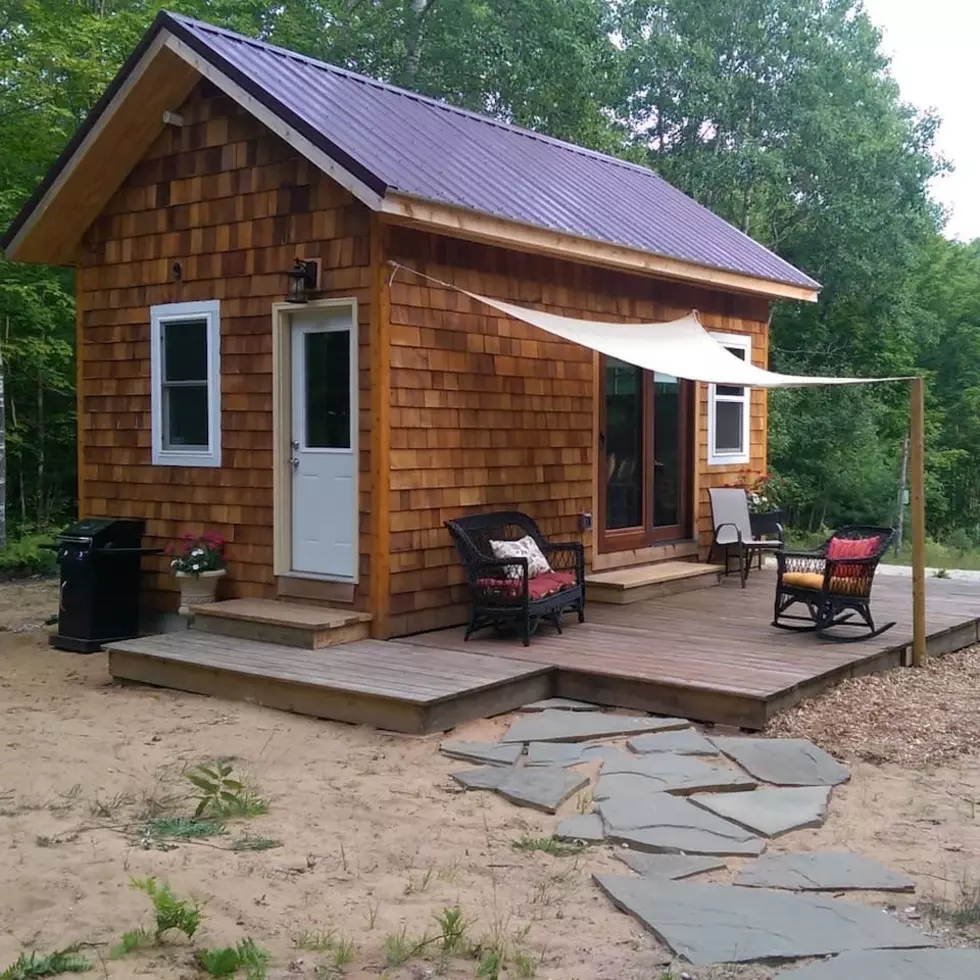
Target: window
(729, 409)
(186, 384)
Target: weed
(490, 965)
(585, 802)
(452, 927)
(372, 914)
(548, 845)
(158, 805)
(316, 940)
(184, 828)
(252, 842)
(526, 965)
(228, 960)
(107, 808)
(400, 948)
(942, 573)
(412, 887)
(30, 965)
(43, 841)
(343, 952)
(220, 796)
(963, 911)
(170, 913)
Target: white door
(323, 460)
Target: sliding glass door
(645, 453)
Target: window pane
(185, 417)
(728, 427)
(733, 391)
(624, 444)
(666, 450)
(328, 389)
(185, 350)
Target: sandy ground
(376, 837)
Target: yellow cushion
(841, 584)
(804, 580)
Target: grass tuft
(226, 961)
(30, 965)
(184, 828)
(171, 914)
(548, 845)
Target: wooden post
(918, 520)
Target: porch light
(303, 278)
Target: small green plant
(221, 796)
(452, 929)
(171, 914)
(30, 965)
(343, 952)
(26, 557)
(585, 802)
(526, 965)
(228, 960)
(108, 807)
(400, 948)
(315, 940)
(372, 914)
(490, 965)
(942, 573)
(548, 845)
(412, 886)
(184, 828)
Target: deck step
(289, 623)
(625, 585)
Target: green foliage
(548, 845)
(253, 842)
(220, 796)
(452, 928)
(226, 961)
(184, 828)
(400, 947)
(25, 556)
(490, 965)
(171, 914)
(30, 965)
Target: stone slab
(601, 753)
(580, 726)
(710, 923)
(669, 773)
(823, 871)
(688, 741)
(583, 826)
(542, 787)
(784, 761)
(559, 704)
(486, 777)
(668, 866)
(893, 964)
(551, 753)
(770, 812)
(661, 823)
(491, 752)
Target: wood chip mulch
(909, 716)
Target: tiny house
(220, 180)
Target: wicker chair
(732, 525)
(833, 583)
(499, 599)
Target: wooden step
(624, 585)
(290, 623)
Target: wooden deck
(712, 655)
(389, 685)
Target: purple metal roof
(392, 139)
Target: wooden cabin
(329, 440)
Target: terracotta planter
(196, 590)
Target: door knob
(294, 460)
(294, 444)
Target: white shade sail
(682, 348)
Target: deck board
(695, 649)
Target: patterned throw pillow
(525, 547)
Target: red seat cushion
(538, 587)
(851, 548)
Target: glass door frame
(646, 534)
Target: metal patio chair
(502, 593)
(833, 583)
(733, 530)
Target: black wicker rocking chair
(833, 583)
(502, 593)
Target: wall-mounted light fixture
(304, 278)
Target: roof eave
(457, 222)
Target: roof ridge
(417, 96)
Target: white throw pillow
(525, 547)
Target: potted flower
(765, 516)
(197, 566)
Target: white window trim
(731, 458)
(210, 311)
